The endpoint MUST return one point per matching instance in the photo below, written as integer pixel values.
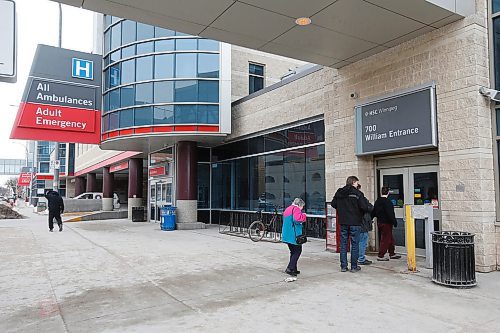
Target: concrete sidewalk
(119, 276)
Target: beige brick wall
(275, 68)
(298, 100)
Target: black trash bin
(453, 259)
(138, 214)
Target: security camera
(492, 94)
(354, 95)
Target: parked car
(98, 195)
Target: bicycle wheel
(256, 231)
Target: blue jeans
(363, 243)
(353, 231)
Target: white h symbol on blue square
(82, 69)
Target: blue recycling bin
(167, 214)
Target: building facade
(302, 136)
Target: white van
(98, 195)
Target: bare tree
(11, 182)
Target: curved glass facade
(154, 76)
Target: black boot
(60, 227)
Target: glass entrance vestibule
(417, 185)
(161, 182)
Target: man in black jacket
(386, 219)
(56, 208)
(350, 204)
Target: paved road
(119, 276)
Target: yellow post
(410, 239)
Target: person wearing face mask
(351, 205)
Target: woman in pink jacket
(293, 218)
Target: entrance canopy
(341, 32)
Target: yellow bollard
(410, 239)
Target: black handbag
(300, 239)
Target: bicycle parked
(258, 228)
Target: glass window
(186, 91)
(221, 185)
(256, 145)
(162, 32)
(165, 45)
(185, 65)
(295, 136)
(395, 184)
(208, 114)
(114, 75)
(107, 21)
(178, 33)
(294, 177)
(496, 49)
(128, 51)
(208, 65)
(257, 181)
(496, 5)
(203, 185)
(208, 45)
(44, 167)
(105, 123)
(128, 71)
(144, 48)
(144, 31)
(107, 41)
(143, 116)
(315, 180)
(426, 189)
(115, 19)
(106, 61)
(241, 184)
(256, 77)
(128, 32)
(273, 195)
(106, 103)
(186, 44)
(127, 118)
(116, 36)
(164, 66)
(163, 114)
(144, 93)
(498, 121)
(115, 56)
(114, 99)
(208, 91)
(127, 96)
(113, 121)
(255, 83)
(275, 141)
(185, 114)
(144, 68)
(164, 92)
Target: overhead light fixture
(302, 21)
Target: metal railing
(236, 223)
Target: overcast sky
(38, 24)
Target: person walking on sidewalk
(366, 226)
(293, 218)
(56, 208)
(386, 220)
(350, 204)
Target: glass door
(397, 181)
(160, 195)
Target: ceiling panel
(119, 10)
(419, 10)
(297, 53)
(233, 38)
(409, 36)
(290, 8)
(254, 22)
(365, 21)
(324, 42)
(196, 11)
(367, 53)
(447, 20)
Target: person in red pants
(383, 210)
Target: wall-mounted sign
(59, 102)
(157, 171)
(8, 38)
(24, 179)
(118, 167)
(403, 121)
